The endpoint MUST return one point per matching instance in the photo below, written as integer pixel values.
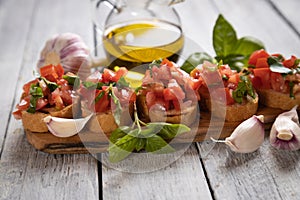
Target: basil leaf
(224, 37)
(247, 45)
(118, 133)
(99, 96)
(235, 62)
(169, 131)
(91, 85)
(122, 148)
(157, 145)
(279, 68)
(36, 92)
(72, 80)
(243, 89)
(122, 82)
(194, 60)
(51, 85)
(140, 144)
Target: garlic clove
(285, 132)
(248, 136)
(62, 127)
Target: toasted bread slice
(185, 116)
(235, 112)
(274, 99)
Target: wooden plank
(25, 172)
(264, 174)
(13, 31)
(182, 179)
(260, 20)
(288, 10)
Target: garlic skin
(285, 132)
(248, 136)
(67, 49)
(62, 127)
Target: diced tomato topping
(264, 75)
(290, 63)
(41, 103)
(262, 63)
(229, 98)
(26, 87)
(52, 72)
(225, 70)
(235, 78)
(24, 104)
(108, 75)
(278, 82)
(102, 104)
(169, 95)
(17, 114)
(121, 72)
(167, 63)
(257, 54)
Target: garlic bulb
(285, 132)
(67, 49)
(62, 127)
(248, 136)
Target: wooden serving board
(87, 141)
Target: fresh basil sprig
(151, 137)
(243, 89)
(35, 92)
(228, 47)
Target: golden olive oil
(134, 44)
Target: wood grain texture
(289, 8)
(265, 174)
(260, 20)
(183, 179)
(14, 32)
(26, 173)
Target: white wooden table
(29, 174)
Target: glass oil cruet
(136, 32)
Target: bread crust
(235, 112)
(274, 99)
(186, 116)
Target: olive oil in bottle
(134, 44)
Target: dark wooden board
(98, 142)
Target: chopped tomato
(167, 63)
(56, 100)
(169, 95)
(195, 73)
(24, 104)
(257, 54)
(264, 75)
(278, 82)
(108, 75)
(102, 104)
(229, 98)
(235, 78)
(256, 81)
(225, 70)
(121, 72)
(41, 103)
(150, 99)
(26, 87)
(17, 114)
(262, 63)
(52, 72)
(290, 63)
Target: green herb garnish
(51, 85)
(243, 89)
(228, 47)
(72, 79)
(35, 92)
(150, 136)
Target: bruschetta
(225, 92)
(109, 96)
(50, 94)
(167, 95)
(276, 79)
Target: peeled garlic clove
(67, 49)
(248, 136)
(285, 133)
(62, 127)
